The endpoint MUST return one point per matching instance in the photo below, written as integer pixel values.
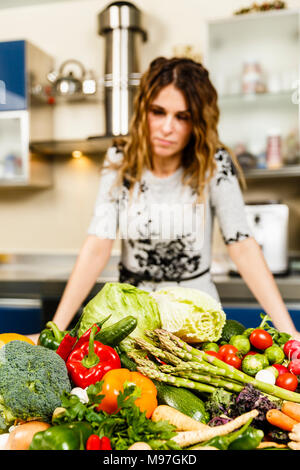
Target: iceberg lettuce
(190, 314)
(119, 300)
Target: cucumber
(114, 334)
(182, 400)
(126, 362)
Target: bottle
(252, 80)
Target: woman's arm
(250, 262)
(91, 260)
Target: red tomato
(281, 369)
(215, 354)
(250, 353)
(292, 349)
(294, 367)
(288, 381)
(233, 360)
(227, 349)
(261, 339)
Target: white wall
(69, 30)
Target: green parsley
(124, 427)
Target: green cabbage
(119, 300)
(190, 314)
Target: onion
(21, 436)
(266, 376)
(140, 446)
(3, 440)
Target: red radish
(281, 369)
(294, 367)
(292, 349)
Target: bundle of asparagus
(167, 358)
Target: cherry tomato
(233, 360)
(288, 381)
(250, 353)
(227, 349)
(261, 339)
(292, 349)
(281, 369)
(215, 354)
(294, 367)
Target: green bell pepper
(223, 442)
(249, 440)
(67, 436)
(51, 336)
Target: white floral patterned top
(165, 235)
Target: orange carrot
(279, 419)
(291, 409)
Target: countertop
(38, 276)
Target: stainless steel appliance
(269, 224)
(120, 24)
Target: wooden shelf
(89, 146)
(289, 171)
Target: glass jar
(252, 80)
(274, 154)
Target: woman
(161, 187)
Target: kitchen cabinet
(24, 3)
(23, 316)
(253, 61)
(21, 64)
(249, 313)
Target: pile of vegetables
(160, 371)
(263, 353)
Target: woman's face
(170, 123)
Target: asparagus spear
(216, 381)
(149, 369)
(188, 353)
(204, 378)
(164, 355)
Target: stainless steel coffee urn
(120, 24)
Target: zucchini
(114, 334)
(182, 400)
(126, 362)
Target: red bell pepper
(68, 342)
(94, 442)
(88, 363)
(105, 443)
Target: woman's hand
(34, 337)
(296, 335)
(251, 264)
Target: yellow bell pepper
(7, 337)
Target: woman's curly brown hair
(198, 161)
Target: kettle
(67, 84)
(268, 221)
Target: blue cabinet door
(24, 319)
(250, 316)
(13, 87)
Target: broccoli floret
(32, 380)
